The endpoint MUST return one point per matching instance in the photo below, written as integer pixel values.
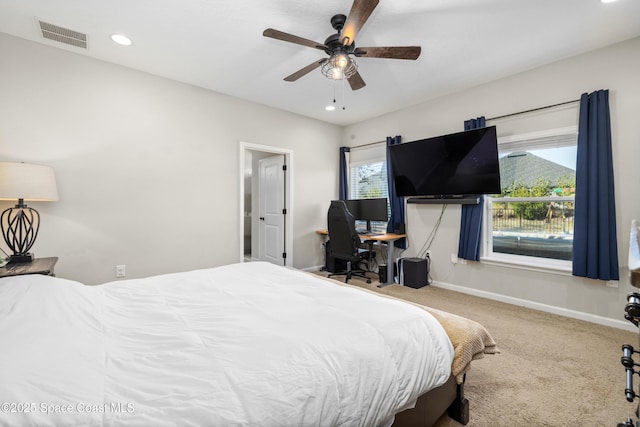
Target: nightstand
(37, 266)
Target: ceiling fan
(341, 47)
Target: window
(531, 221)
(368, 178)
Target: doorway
(266, 214)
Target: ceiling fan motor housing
(332, 45)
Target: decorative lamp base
(19, 227)
(15, 259)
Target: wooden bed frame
(449, 398)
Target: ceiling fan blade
(360, 12)
(301, 72)
(404, 52)
(356, 81)
(280, 35)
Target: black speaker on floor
(414, 272)
(382, 273)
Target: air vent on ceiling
(63, 35)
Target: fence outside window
(533, 226)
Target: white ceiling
(218, 44)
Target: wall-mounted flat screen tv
(458, 164)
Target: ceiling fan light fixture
(342, 60)
(339, 66)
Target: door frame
(288, 195)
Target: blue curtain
(595, 248)
(471, 220)
(397, 203)
(478, 123)
(343, 191)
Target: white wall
(614, 68)
(147, 168)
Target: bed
(249, 344)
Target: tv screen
(458, 164)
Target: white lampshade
(26, 181)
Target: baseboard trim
(593, 318)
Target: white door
(272, 210)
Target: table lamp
(20, 224)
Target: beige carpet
(551, 370)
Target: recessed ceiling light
(330, 107)
(607, 1)
(121, 39)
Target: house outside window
(531, 222)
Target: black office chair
(345, 241)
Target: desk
(388, 238)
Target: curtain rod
(366, 145)
(493, 118)
(534, 109)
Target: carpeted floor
(551, 370)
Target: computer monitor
(368, 210)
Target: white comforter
(240, 345)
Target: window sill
(544, 265)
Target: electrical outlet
(428, 254)
(612, 283)
(121, 270)
(454, 259)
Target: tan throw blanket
(470, 340)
